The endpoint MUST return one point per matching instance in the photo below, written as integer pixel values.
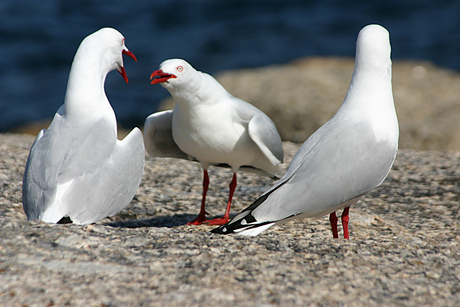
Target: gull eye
(180, 68)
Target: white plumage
(347, 157)
(77, 168)
(211, 126)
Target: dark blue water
(38, 40)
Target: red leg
(333, 220)
(226, 218)
(201, 218)
(345, 219)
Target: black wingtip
(239, 226)
(236, 224)
(222, 230)
(65, 220)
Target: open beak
(122, 72)
(129, 53)
(162, 77)
(121, 69)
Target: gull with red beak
(211, 126)
(121, 69)
(77, 170)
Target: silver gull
(345, 158)
(211, 126)
(77, 169)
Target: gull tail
(244, 223)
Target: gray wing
(263, 132)
(108, 189)
(333, 166)
(299, 158)
(78, 159)
(159, 142)
(158, 136)
(33, 196)
(45, 162)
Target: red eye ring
(180, 68)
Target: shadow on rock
(158, 221)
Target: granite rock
(404, 248)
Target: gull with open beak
(77, 170)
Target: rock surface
(404, 248)
(303, 95)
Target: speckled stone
(404, 248)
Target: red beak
(122, 70)
(130, 54)
(163, 77)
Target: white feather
(348, 156)
(77, 167)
